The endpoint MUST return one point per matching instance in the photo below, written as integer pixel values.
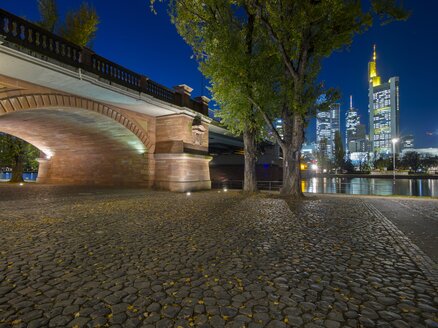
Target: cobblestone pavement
(158, 259)
(417, 218)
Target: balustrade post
(204, 104)
(185, 92)
(143, 83)
(87, 58)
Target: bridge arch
(84, 141)
(50, 100)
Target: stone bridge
(94, 121)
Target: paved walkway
(154, 259)
(416, 218)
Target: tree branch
(280, 44)
(268, 121)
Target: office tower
(383, 110)
(327, 123)
(352, 120)
(407, 142)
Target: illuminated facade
(327, 123)
(352, 120)
(383, 110)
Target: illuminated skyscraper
(352, 120)
(327, 123)
(383, 110)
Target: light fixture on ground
(188, 193)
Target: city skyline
(142, 40)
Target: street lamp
(394, 141)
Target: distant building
(424, 152)
(407, 142)
(383, 108)
(327, 123)
(352, 120)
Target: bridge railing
(19, 31)
(30, 36)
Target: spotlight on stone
(188, 193)
(21, 184)
(225, 189)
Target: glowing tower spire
(372, 70)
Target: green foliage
(231, 55)
(14, 150)
(80, 26)
(383, 163)
(412, 161)
(49, 14)
(348, 166)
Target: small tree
(18, 155)
(49, 14)
(80, 26)
(412, 161)
(348, 166)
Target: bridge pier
(181, 154)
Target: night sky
(132, 36)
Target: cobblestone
(156, 259)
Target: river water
(352, 186)
(372, 186)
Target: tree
(49, 14)
(339, 151)
(80, 26)
(412, 161)
(348, 166)
(304, 32)
(18, 155)
(231, 54)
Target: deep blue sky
(132, 36)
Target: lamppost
(394, 141)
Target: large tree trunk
(17, 170)
(250, 147)
(297, 143)
(287, 187)
(292, 157)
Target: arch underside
(81, 146)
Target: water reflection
(371, 186)
(27, 176)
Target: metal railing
(238, 184)
(23, 33)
